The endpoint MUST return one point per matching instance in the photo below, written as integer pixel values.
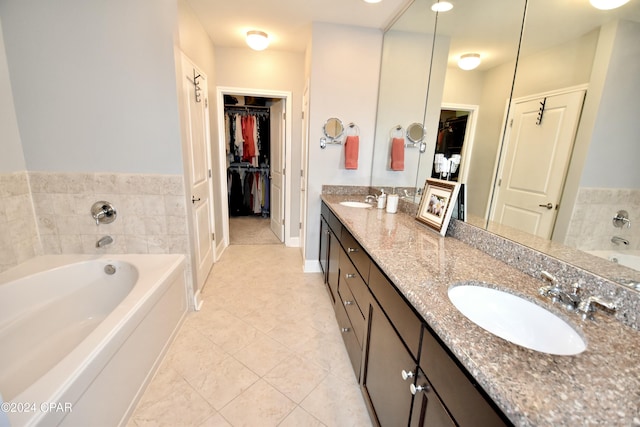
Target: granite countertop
(600, 386)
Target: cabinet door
(323, 254)
(388, 393)
(333, 267)
(428, 410)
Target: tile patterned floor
(251, 230)
(265, 350)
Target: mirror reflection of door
(539, 141)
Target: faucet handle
(588, 305)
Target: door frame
(469, 135)
(222, 165)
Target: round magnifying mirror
(415, 132)
(333, 128)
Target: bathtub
(77, 344)
(629, 258)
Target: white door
(276, 192)
(196, 110)
(535, 162)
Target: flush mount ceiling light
(441, 6)
(372, 1)
(607, 4)
(257, 40)
(469, 61)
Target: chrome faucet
(371, 198)
(104, 241)
(589, 304)
(553, 291)
(617, 240)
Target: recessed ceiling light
(442, 6)
(372, 1)
(607, 4)
(469, 61)
(257, 40)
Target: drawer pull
(406, 375)
(350, 276)
(347, 303)
(349, 250)
(345, 330)
(418, 388)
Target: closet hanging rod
(245, 107)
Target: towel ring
(397, 132)
(352, 127)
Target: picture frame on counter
(436, 206)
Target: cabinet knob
(406, 375)
(345, 330)
(347, 302)
(349, 276)
(418, 388)
(349, 250)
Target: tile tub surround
(18, 232)
(600, 386)
(591, 225)
(151, 212)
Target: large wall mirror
(568, 96)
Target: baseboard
(197, 301)
(312, 266)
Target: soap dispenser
(382, 199)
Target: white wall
(276, 71)
(94, 84)
(402, 101)
(614, 151)
(12, 159)
(343, 83)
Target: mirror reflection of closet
(451, 135)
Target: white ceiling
(488, 26)
(288, 22)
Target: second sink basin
(516, 319)
(352, 204)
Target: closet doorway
(253, 146)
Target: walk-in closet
(248, 139)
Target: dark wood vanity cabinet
(386, 357)
(329, 254)
(393, 352)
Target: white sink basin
(356, 204)
(516, 319)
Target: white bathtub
(629, 258)
(78, 345)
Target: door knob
(418, 388)
(406, 375)
(548, 205)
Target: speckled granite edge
(531, 262)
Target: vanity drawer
(355, 252)
(349, 337)
(354, 314)
(357, 286)
(406, 322)
(458, 392)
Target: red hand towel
(397, 154)
(351, 147)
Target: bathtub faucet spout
(104, 241)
